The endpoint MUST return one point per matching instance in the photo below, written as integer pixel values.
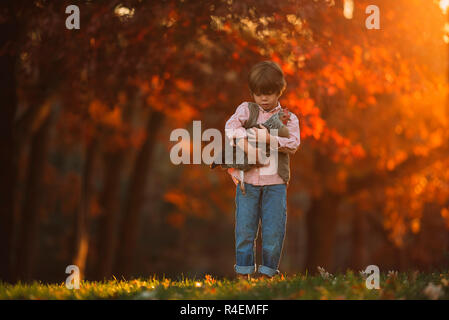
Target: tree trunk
(133, 204)
(8, 34)
(321, 220)
(108, 222)
(358, 256)
(321, 224)
(33, 197)
(81, 223)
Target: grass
(406, 285)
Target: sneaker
(263, 276)
(241, 276)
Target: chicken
(277, 121)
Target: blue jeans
(269, 205)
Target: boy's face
(266, 101)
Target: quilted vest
(283, 157)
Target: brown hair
(266, 77)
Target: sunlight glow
(444, 5)
(446, 33)
(348, 9)
(293, 19)
(123, 11)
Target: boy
(266, 191)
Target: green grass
(407, 285)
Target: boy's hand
(259, 135)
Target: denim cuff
(268, 271)
(245, 269)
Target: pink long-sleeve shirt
(234, 129)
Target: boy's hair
(266, 77)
